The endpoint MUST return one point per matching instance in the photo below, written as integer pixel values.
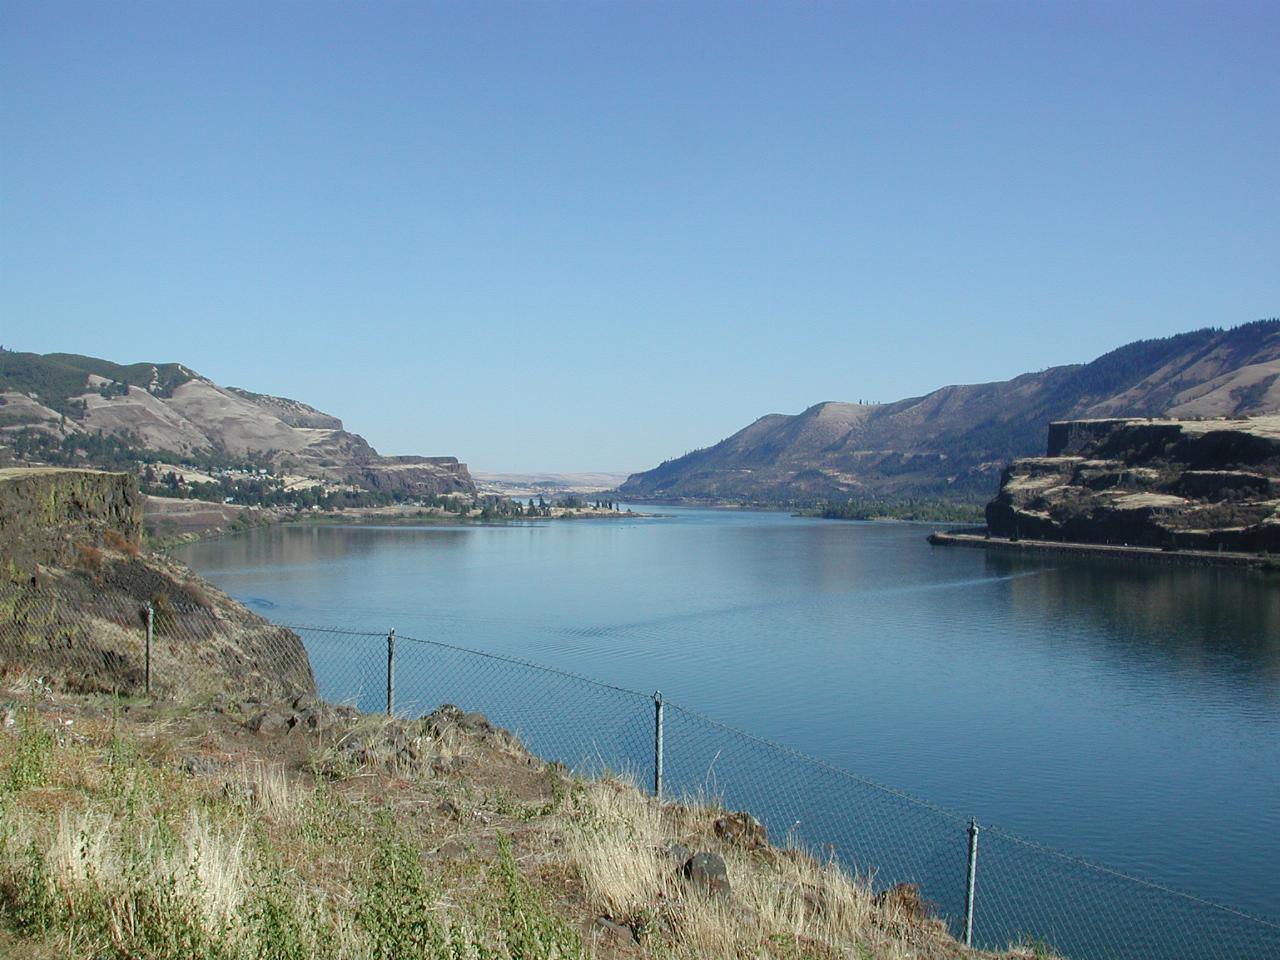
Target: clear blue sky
(567, 236)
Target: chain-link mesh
(1025, 893)
(590, 727)
(95, 639)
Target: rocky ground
(298, 829)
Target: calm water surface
(1129, 714)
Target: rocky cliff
(1175, 484)
(75, 586)
(953, 442)
(46, 515)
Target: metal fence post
(391, 673)
(657, 744)
(969, 885)
(151, 622)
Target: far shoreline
(1197, 558)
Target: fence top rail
(338, 631)
(502, 658)
(824, 764)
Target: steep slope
(955, 441)
(74, 588)
(169, 407)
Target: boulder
(609, 931)
(904, 902)
(742, 830)
(706, 872)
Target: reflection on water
(1194, 624)
(1089, 704)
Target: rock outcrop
(75, 587)
(412, 475)
(1174, 484)
(47, 514)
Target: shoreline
(1198, 558)
(377, 516)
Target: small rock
(617, 934)
(270, 722)
(707, 871)
(451, 850)
(811, 899)
(678, 852)
(450, 809)
(904, 901)
(743, 830)
(199, 766)
(441, 766)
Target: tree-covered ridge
(160, 379)
(57, 379)
(52, 382)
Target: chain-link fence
(1020, 892)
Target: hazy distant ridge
(955, 441)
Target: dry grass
(204, 862)
(107, 849)
(783, 902)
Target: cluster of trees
(121, 451)
(268, 491)
(107, 451)
(571, 501)
(909, 508)
(116, 388)
(500, 508)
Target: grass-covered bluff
(133, 829)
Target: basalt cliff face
(75, 586)
(172, 409)
(1175, 484)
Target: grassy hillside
(140, 830)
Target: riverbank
(139, 827)
(1199, 558)
(179, 523)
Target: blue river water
(1126, 713)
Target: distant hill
(170, 409)
(954, 442)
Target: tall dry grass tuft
(94, 852)
(618, 841)
(267, 788)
